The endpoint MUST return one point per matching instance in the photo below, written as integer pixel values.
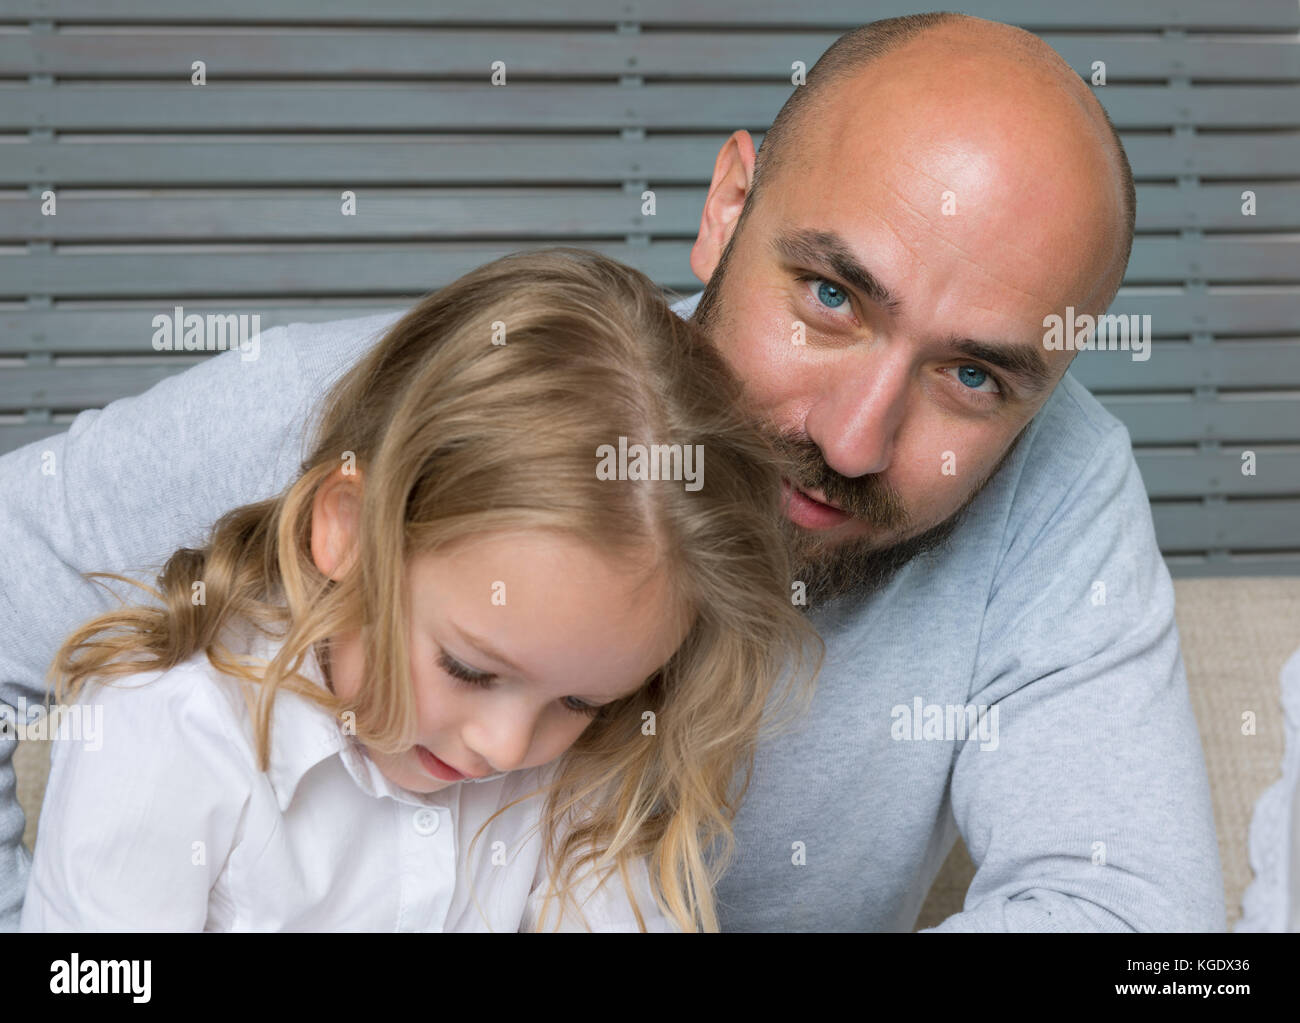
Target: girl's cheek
(432, 700)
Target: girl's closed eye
(454, 668)
(484, 680)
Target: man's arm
(126, 486)
(1093, 811)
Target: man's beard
(856, 568)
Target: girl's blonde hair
(481, 410)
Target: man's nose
(855, 416)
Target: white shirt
(169, 826)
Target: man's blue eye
(830, 295)
(972, 376)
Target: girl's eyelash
(585, 709)
(984, 395)
(483, 680)
(457, 670)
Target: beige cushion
(1235, 633)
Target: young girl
(465, 618)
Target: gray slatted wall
(226, 197)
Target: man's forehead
(1014, 245)
(1018, 177)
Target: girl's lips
(808, 512)
(441, 771)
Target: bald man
(973, 539)
(970, 524)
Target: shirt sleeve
(141, 812)
(1084, 800)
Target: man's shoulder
(1073, 405)
(1071, 432)
(323, 348)
(349, 328)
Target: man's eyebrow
(827, 250)
(485, 648)
(1026, 364)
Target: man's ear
(335, 523)
(733, 173)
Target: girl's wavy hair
(458, 435)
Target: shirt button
(425, 821)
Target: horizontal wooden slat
(287, 271)
(1182, 366)
(443, 214)
(1238, 155)
(1218, 207)
(16, 435)
(108, 329)
(1239, 525)
(310, 51)
(1247, 565)
(1228, 419)
(1253, 260)
(366, 161)
(100, 331)
(500, 212)
(198, 160)
(840, 14)
(1190, 474)
(1216, 311)
(529, 106)
(413, 269)
(70, 389)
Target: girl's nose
(502, 741)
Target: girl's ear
(335, 519)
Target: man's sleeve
(1085, 803)
(126, 486)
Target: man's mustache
(864, 497)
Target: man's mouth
(810, 509)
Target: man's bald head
(939, 189)
(933, 39)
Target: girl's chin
(404, 771)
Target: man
(973, 538)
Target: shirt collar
(685, 307)
(303, 735)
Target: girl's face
(514, 638)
